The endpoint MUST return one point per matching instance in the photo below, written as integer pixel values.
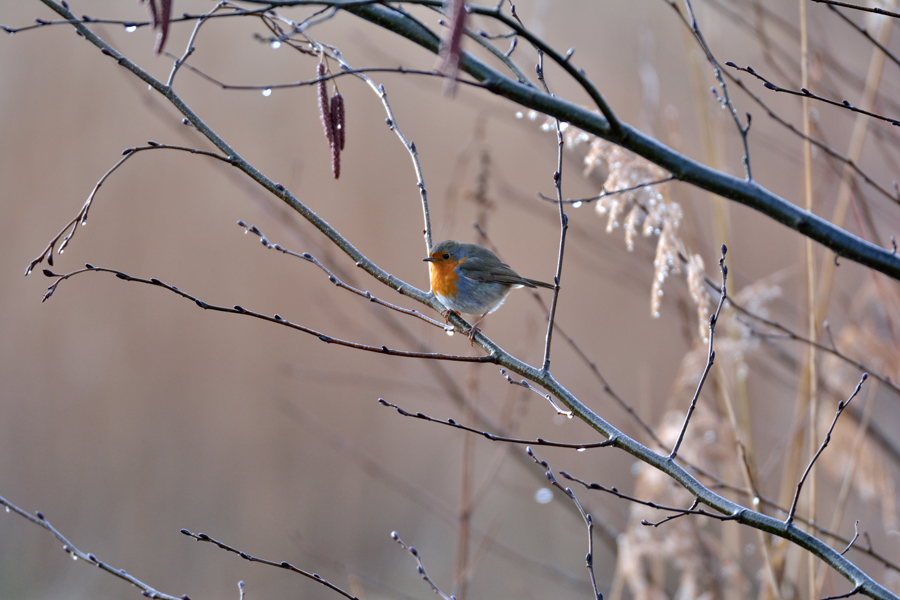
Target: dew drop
(580, 450)
(450, 332)
(74, 557)
(519, 114)
(131, 28)
(543, 496)
(7, 509)
(275, 44)
(577, 204)
(267, 92)
(656, 315)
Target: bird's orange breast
(444, 277)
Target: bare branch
(803, 92)
(336, 281)
(491, 436)
(725, 98)
(276, 318)
(202, 537)
(588, 520)
(841, 406)
(420, 566)
(711, 356)
(81, 217)
(871, 9)
(88, 558)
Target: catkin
(324, 108)
(338, 122)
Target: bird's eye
(447, 256)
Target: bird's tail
(536, 283)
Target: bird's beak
(429, 259)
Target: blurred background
(127, 413)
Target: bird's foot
(474, 329)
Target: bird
(470, 279)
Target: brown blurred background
(127, 413)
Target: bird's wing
(489, 271)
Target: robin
(470, 279)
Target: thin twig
(725, 98)
(491, 436)
(871, 9)
(563, 228)
(202, 537)
(815, 142)
(563, 217)
(548, 397)
(841, 406)
(129, 25)
(865, 33)
(336, 281)
(693, 510)
(711, 356)
(855, 537)
(857, 589)
(788, 333)
(420, 566)
(579, 201)
(588, 520)
(189, 49)
(347, 72)
(805, 93)
(276, 318)
(69, 548)
(563, 61)
(81, 217)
